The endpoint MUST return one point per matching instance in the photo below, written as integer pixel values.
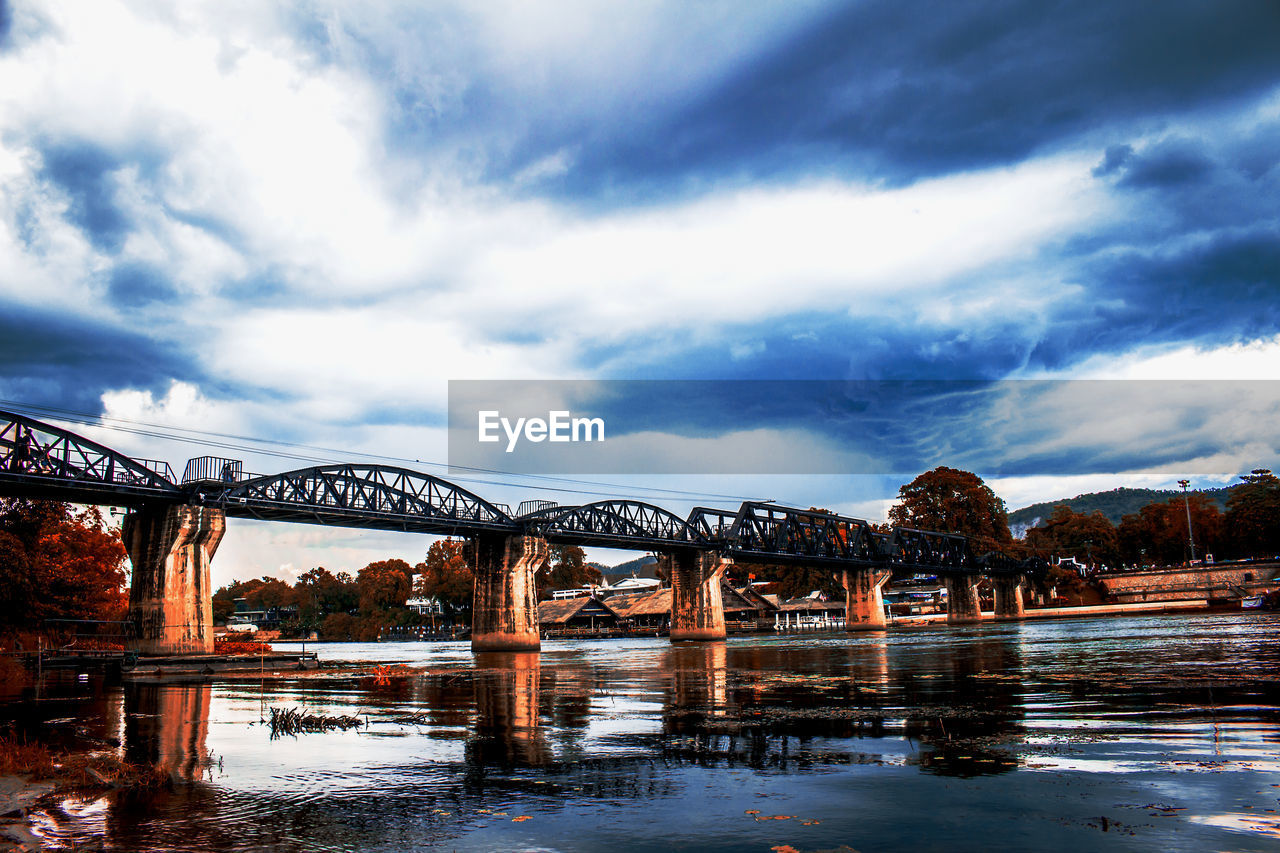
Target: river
(1136, 733)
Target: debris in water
(292, 721)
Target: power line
(227, 441)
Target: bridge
(174, 527)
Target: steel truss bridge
(40, 460)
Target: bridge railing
(215, 469)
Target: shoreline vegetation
(33, 775)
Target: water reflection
(641, 745)
(699, 678)
(507, 691)
(167, 726)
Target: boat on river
(1262, 601)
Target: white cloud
(1258, 359)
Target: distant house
(628, 585)
(645, 611)
(574, 592)
(425, 606)
(269, 618)
(915, 601)
(576, 616)
(814, 612)
(745, 609)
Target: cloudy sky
(298, 221)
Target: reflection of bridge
(175, 527)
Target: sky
(298, 221)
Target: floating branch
(292, 721)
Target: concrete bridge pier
(1008, 594)
(962, 600)
(863, 598)
(697, 608)
(504, 604)
(170, 600)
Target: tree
(58, 562)
(1253, 515)
(953, 501)
(1157, 534)
(268, 593)
(446, 576)
(569, 570)
(384, 584)
(319, 592)
(1090, 539)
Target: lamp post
(1186, 499)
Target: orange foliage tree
(446, 575)
(58, 562)
(1157, 534)
(384, 584)
(1088, 538)
(952, 501)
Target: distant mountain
(1114, 504)
(640, 567)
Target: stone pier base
(504, 610)
(863, 599)
(697, 609)
(170, 601)
(962, 600)
(1008, 594)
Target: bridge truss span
(375, 496)
(616, 523)
(763, 531)
(42, 460)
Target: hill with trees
(1114, 505)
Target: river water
(1137, 733)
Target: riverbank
(32, 775)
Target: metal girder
(765, 532)
(768, 531)
(42, 460)
(928, 551)
(617, 523)
(376, 496)
(997, 563)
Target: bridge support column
(1008, 594)
(697, 608)
(170, 600)
(504, 606)
(962, 600)
(863, 600)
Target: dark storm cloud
(1168, 164)
(889, 90)
(51, 359)
(83, 171)
(136, 285)
(1222, 290)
